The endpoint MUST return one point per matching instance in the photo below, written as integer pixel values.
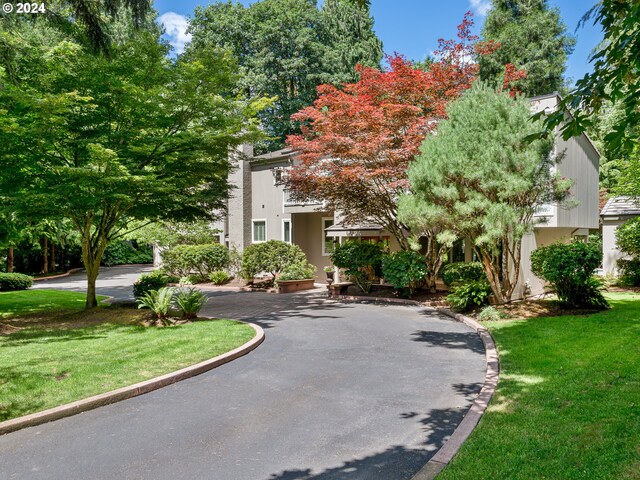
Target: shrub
(14, 281)
(490, 314)
(183, 260)
(361, 261)
(271, 257)
(629, 272)
(467, 295)
(569, 269)
(462, 272)
(190, 301)
(628, 237)
(220, 277)
(405, 271)
(149, 281)
(159, 302)
(297, 271)
(123, 252)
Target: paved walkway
(336, 391)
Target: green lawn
(56, 358)
(568, 401)
(33, 301)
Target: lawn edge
(131, 391)
(450, 448)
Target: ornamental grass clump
(159, 302)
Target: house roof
(278, 154)
(621, 207)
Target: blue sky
(412, 27)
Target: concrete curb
(443, 456)
(357, 298)
(132, 390)
(66, 274)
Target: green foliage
(629, 272)
(182, 260)
(468, 295)
(123, 252)
(132, 136)
(462, 272)
(220, 277)
(533, 37)
(168, 233)
(478, 179)
(189, 301)
(149, 281)
(569, 269)
(271, 257)
(347, 35)
(489, 314)
(405, 271)
(362, 261)
(14, 281)
(159, 302)
(297, 271)
(286, 48)
(628, 237)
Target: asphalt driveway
(336, 391)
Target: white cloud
(481, 7)
(176, 29)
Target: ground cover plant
(567, 402)
(52, 357)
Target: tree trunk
(52, 258)
(45, 255)
(10, 259)
(92, 275)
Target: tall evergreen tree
(349, 39)
(278, 46)
(532, 37)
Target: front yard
(568, 402)
(52, 352)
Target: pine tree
(532, 37)
(349, 39)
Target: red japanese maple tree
(357, 140)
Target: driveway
(336, 391)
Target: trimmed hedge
(183, 260)
(462, 272)
(273, 257)
(149, 282)
(10, 282)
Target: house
(260, 208)
(616, 211)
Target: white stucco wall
(610, 252)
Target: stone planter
(289, 286)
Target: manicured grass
(33, 301)
(568, 401)
(74, 355)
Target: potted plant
(298, 276)
(330, 271)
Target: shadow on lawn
(23, 405)
(52, 335)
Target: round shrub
(464, 296)
(569, 269)
(628, 237)
(183, 260)
(14, 281)
(405, 271)
(297, 271)
(148, 282)
(462, 272)
(362, 261)
(271, 257)
(220, 277)
(629, 272)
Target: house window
(286, 231)
(259, 231)
(327, 241)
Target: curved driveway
(336, 391)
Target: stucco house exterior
(260, 208)
(616, 211)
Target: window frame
(253, 230)
(287, 220)
(324, 234)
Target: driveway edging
(131, 391)
(444, 455)
(60, 275)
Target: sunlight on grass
(567, 403)
(27, 302)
